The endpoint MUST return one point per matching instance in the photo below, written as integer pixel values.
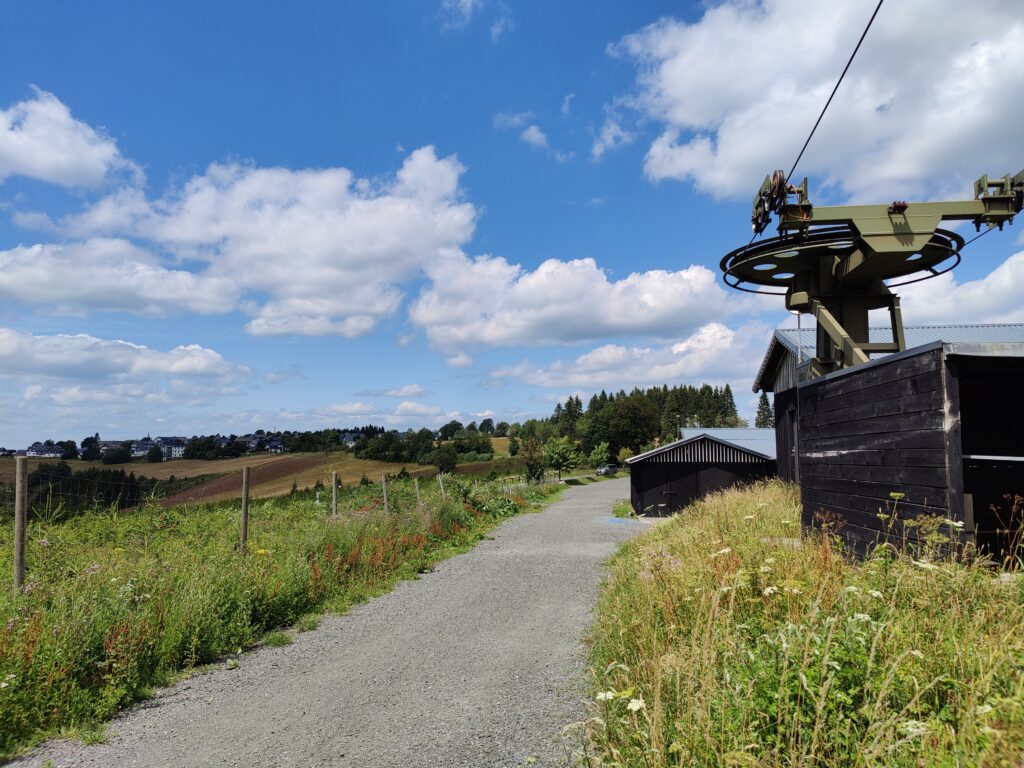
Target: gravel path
(477, 664)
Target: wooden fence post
(243, 534)
(384, 482)
(20, 518)
(334, 493)
(416, 482)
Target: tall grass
(720, 640)
(118, 602)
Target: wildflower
(721, 552)
(44, 543)
(958, 524)
(30, 587)
(926, 566)
(605, 696)
(90, 570)
(897, 496)
(765, 569)
(724, 590)
(794, 590)
(876, 594)
(984, 709)
(914, 728)
(852, 590)
(635, 705)
(860, 617)
(263, 552)
(769, 591)
(4, 684)
(769, 561)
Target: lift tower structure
(838, 263)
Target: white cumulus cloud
(534, 136)
(40, 139)
(408, 390)
(713, 353)
(310, 252)
(737, 91)
(487, 301)
(994, 298)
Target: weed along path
(477, 664)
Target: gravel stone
(479, 663)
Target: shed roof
(803, 344)
(755, 439)
(758, 447)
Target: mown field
(116, 603)
(721, 640)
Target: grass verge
(719, 642)
(116, 604)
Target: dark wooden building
(936, 430)
(669, 478)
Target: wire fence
(52, 495)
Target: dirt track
(478, 664)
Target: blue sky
(219, 217)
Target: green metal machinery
(838, 263)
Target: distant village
(168, 448)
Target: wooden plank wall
(870, 433)
(660, 489)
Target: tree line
(631, 422)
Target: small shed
(936, 428)
(787, 361)
(666, 479)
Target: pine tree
(765, 415)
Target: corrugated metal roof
(915, 335)
(760, 443)
(755, 439)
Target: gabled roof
(803, 344)
(707, 447)
(759, 440)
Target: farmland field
(270, 475)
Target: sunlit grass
(719, 641)
(115, 604)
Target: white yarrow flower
(914, 728)
(769, 591)
(605, 696)
(635, 705)
(876, 594)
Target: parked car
(607, 470)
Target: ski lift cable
(838, 83)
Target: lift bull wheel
(840, 262)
